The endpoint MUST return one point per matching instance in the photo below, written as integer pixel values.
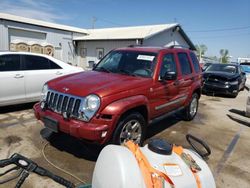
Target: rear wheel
(191, 110)
(130, 127)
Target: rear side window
(184, 63)
(10, 63)
(195, 62)
(38, 63)
(53, 65)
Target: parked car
(248, 104)
(205, 66)
(246, 69)
(224, 79)
(126, 91)
(23, 74)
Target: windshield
(246, 68)
(131, 63)
(222, 68)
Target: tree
(224, 56)
(201, 49)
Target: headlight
(90, 106)
(44, 92)
(234, 82)
(92, 102)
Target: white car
(22, 75)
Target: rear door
(164, 92)
(186, 77)
(12, 89)
(38, 70)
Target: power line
(221, 29)
(221, 36)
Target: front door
(165, 92)
(83, 55)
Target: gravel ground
(220, 121)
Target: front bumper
(219, 88)
(97, 130)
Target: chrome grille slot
(60, 102)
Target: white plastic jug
(116, 167)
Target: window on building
(168, 65)
(10, 63)
(195, 62)
(184, 63)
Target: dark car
(205, 66)
(224, 79)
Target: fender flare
(121, 106)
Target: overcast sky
(219, 24)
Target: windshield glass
(246, 68)
(131, 63)
(222, 68)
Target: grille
(60, 102)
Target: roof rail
(178, 46)
(134, 45)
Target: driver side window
(168, 65)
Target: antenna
(94, 19)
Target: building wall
(62, 41)
(92, 48)
(4, 41)
(166, 38)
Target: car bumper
(220, 89)
(98, 130)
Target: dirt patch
(12, 140)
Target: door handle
(18, 76)
(58, 73)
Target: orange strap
(179, 150)
(152, 177)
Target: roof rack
(134, 45)
(178, 46)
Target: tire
(234, 95)
(191, 110)
(124, 130)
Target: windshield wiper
(127, 72)
(103, 69)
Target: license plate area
(51, 124)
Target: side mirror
(170, 76)
(199, 146)
(243, 73)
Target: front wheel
(191, 110)
(130, 127)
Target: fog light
(235, 91)
(104, 133)
(43, 105)
(65, 115)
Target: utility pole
(94, 19)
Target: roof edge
(31, 21)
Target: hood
(220, 75)
(100, 83)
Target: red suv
(127, 90)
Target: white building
(82, 47)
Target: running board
(159, 118)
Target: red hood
(100, 83)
